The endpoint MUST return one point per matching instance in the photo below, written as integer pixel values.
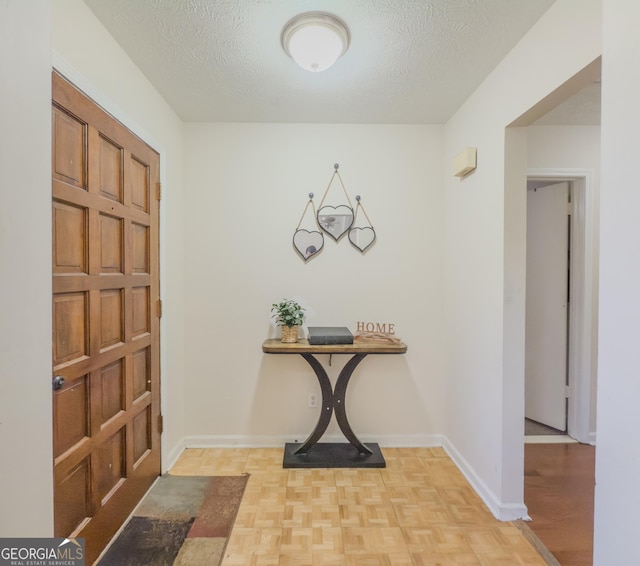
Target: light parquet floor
(418, 511)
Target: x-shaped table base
(333, 400)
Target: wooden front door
(106, 413)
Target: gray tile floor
(533, 428)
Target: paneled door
(106, 360)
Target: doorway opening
(547, 307)
(580, 314)
(559, 465)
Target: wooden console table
(311, 453)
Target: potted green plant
(288, 315)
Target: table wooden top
(276, 346)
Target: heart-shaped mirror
(362, 238)
(308, 243)
(335, 220)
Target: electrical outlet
(312, 400)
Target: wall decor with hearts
(361, 237)
(308, 242)
(336, 219)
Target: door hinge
(566, 391)
(569, 208)
(160, 424)
(158, 191)
(159, 308)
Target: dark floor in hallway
(559, 481)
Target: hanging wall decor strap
(310, 202)
(335, 173)
(358, 207)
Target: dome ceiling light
(315, 40)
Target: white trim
(81, 82)
(581, 315)
(501, 511)
(171, 457)
(257, 441)
(550, 439)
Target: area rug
(182, 521)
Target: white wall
(575, 148)
(617, 455)
(26, 461)
(89, 57)
(564, 147)
(484, 250)
(246, 186)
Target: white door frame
(582, 342)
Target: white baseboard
(170, 456)
(254, 441)
(500, 510)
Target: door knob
(58, 382)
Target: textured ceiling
(410, 61)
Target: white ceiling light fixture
(315, 40)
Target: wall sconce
(315, 40)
